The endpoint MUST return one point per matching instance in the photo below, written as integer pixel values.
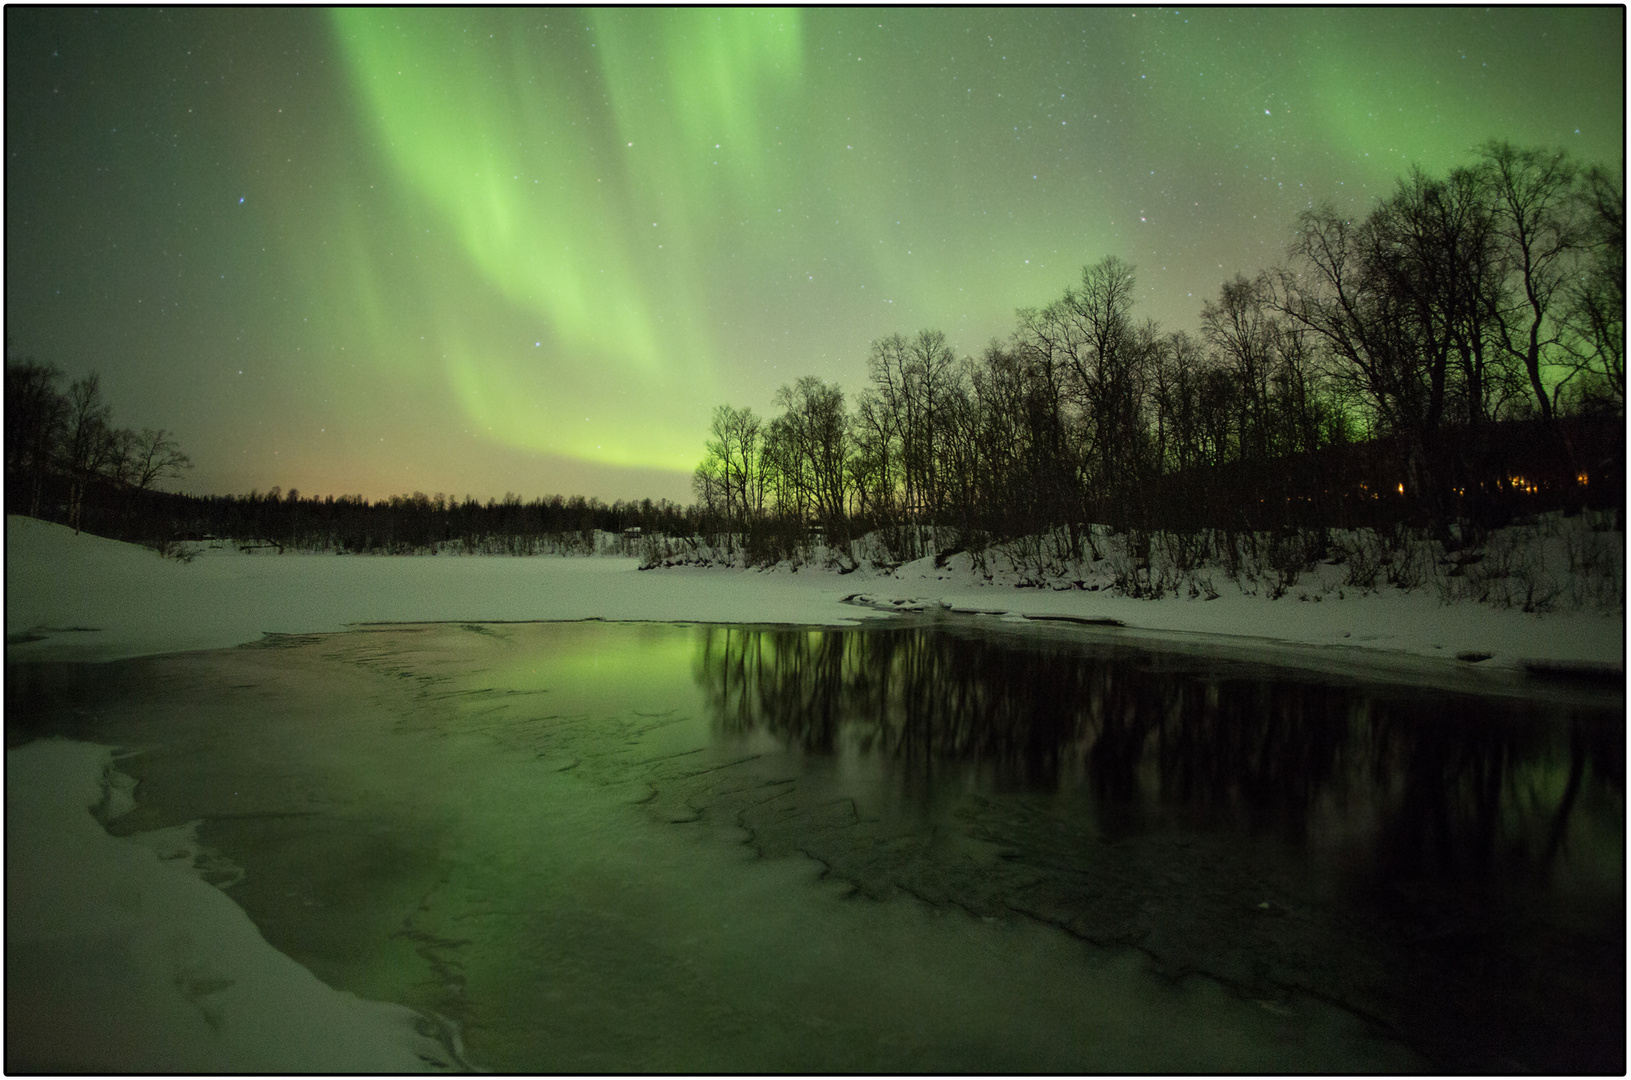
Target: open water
(943, 848)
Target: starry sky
(477, 251)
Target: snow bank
(89, 598)
(118, 961)
(83, 597)
(1357, 627)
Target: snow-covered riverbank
(84, 597)
(120, 959)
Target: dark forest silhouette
(1451, 361)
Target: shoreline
(85, 598)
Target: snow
(82, 597)
(1374, 629)
(98, 599)
(119, 960)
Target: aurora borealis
(476, 251)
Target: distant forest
(66, 462)
(1452, 361)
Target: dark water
(632, 847)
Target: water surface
(626, 847)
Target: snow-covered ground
(119, 960)
(84, 597)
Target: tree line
(67, 462)
(1451, 359)
(419, 523)
(64, 454)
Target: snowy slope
(98, 599)
(84, 597)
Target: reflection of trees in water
(1455, 781)
(1271, 748)
(1473, 782)
(912, 697)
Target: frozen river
(656, 847)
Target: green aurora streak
(532, 248)
(547, 186)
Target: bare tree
(1532, 195)
(1244, 336)
(779, 466)
(875, 467)
(901, 430)
(89, 444)
(812, 437)
(1108, 356)
(929, 378)
(727, 480)
(1594, 304)
(1001, 407)
(1331, 291)
(155, 455)
(962, 451)
(35, 415)
(1032, 377)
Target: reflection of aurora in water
(632, 847)
(1453, 841)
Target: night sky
(525, 250)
